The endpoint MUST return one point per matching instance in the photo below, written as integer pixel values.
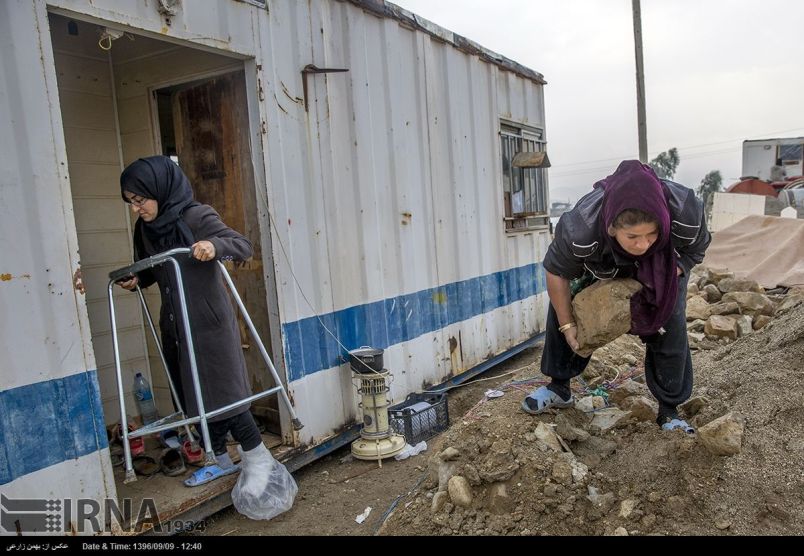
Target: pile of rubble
(722, 308)
(605, 468)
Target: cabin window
(524, 177)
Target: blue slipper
(209, 473)
(542, 399)
(170, 439)
(676, 424)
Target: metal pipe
(297, 425)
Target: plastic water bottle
(145, 400)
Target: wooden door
(211, 131)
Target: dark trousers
(243, 428)
(668, 362)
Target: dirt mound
(613, 471)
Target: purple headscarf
(635, 186)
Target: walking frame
(171, 421)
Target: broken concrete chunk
(724, 308)
(641, 408)
(460, 492)
(450, 454)
(715, 275)
(568, 431)
(723, 436)
(761, 321)
(603, 313)
(585, 404)
(697, 308)
(547, 436)
(751, 303)
(579, 471)
(745, 325)
(626, 390)
(609, 418)
(739, 285)
(721, 327)
(562, 472)
(713, 294)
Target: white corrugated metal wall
(51, 424)
(389, 186)
(386, 196)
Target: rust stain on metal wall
(297, 100)
(9, 277)
(78, 281)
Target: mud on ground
(634, 478)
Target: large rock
(547, 436)
(751, 303)
(641, 408)
(715, 275)
(713, 294)
(745, 325)
(723, 436)
(609, 418)
(739, 285)
(697, 308)
(725, 308)
(562, 472)
(603, 313)
(761, 321)
(721, 327)
(626, 390)
(568, 431)
(460, 492)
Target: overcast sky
(717, 72)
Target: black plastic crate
(420, 416)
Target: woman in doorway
(168, 217)
(632, 225)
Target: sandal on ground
(542, 399)
(209, 473)
(172, 463)
(678, 424)
(145, 465)
(170, 439)
(193, 454)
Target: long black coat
(216, 336)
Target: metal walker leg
(203, 416)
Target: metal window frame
(534, 136)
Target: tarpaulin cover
(767, 249)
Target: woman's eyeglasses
(136, 200)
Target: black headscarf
(159, 178)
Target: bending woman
(632, 225)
